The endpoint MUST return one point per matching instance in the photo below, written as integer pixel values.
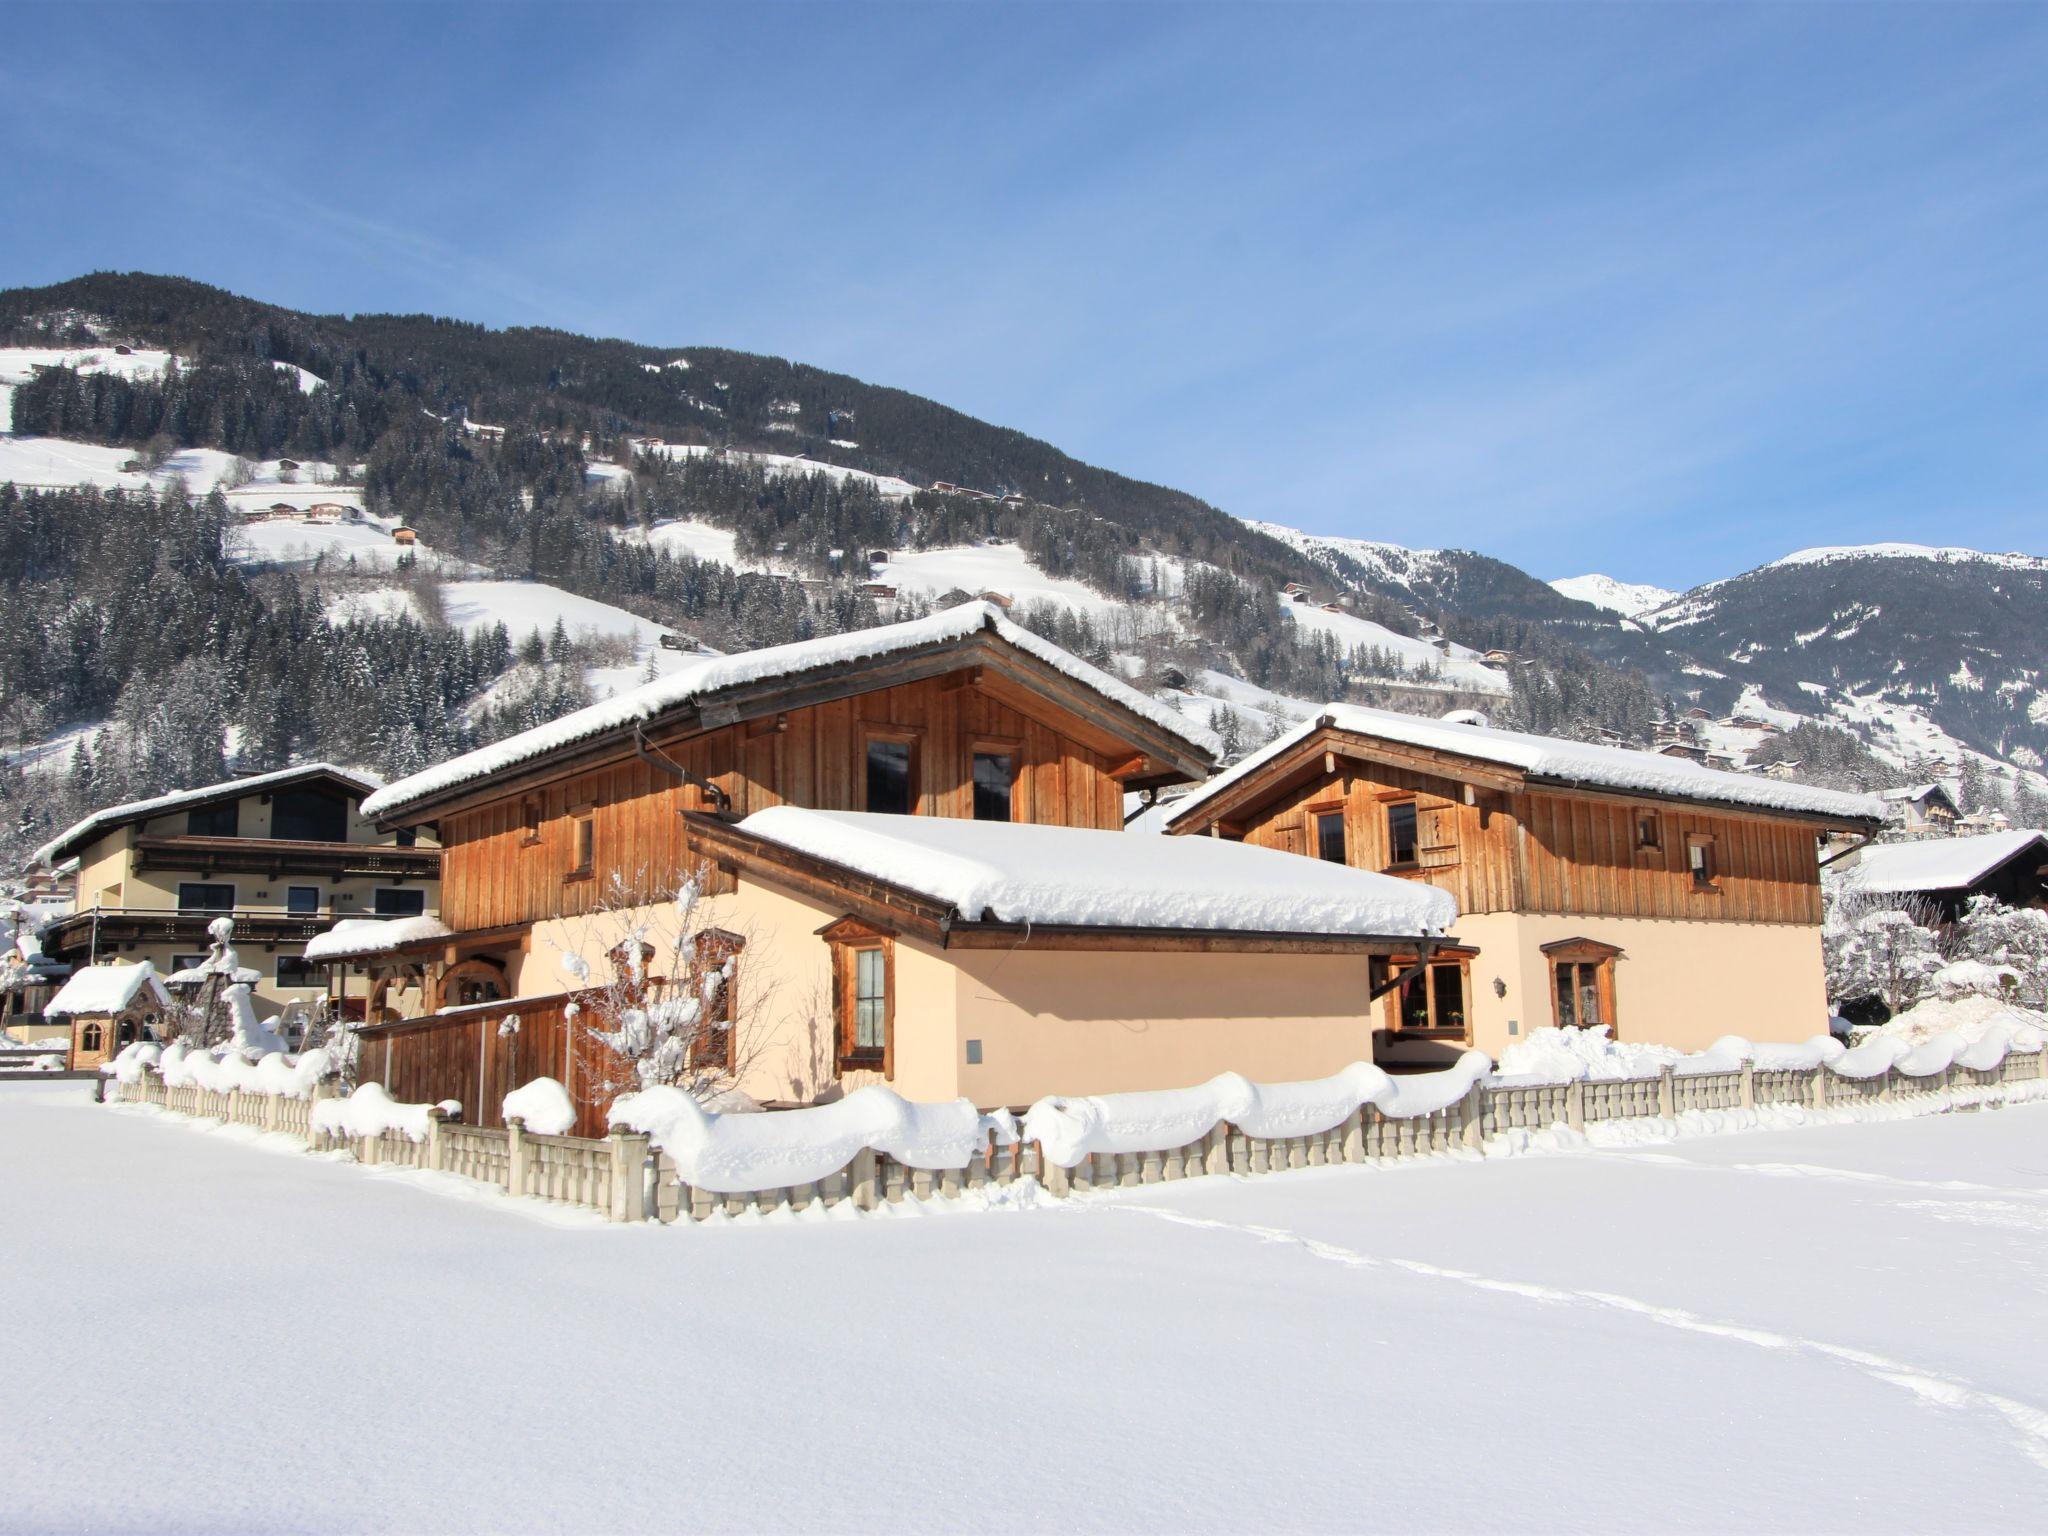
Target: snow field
(1231, 1349)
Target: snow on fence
(873, 1148)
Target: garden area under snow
(1577, 1336)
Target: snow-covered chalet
(1596, 885)
(907, 844)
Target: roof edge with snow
(704, 681)
(107, 818)
(1551, 762)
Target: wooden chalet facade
(1595, 885)
(843, 977)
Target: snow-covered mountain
(1627, 598)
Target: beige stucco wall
(1049, 1021)
(1078, 1022)
(1676, 983)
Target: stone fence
(624, 1178)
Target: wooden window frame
(1652, 822)
(1315, 815)
(1578, 952)
(531, 816)
(1388, 804)
(1458, 956)
(989, 746)
(92, 1036)
(914, 739)
(729, 947)
(847, 937)
(1710, 866)
(582, 843)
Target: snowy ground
(1836, 1328)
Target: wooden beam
(1045, 936)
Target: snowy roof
(1011, 872)
(373, 936)
(1911, 792)
(701, 677)
(1938, 864)
(106, 989)
(135, 810)
(1554, 760)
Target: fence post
(629, 1179)
(1820, 1086)
(1058, 1181)
(863, 1179)
(1475, 1120)
(515, 1159)
(1216, 1149)
(270, 1111)
(1884, 1084)
(1748, 1083)
(1575, 1104)
(435, 1146)
(1667, 1093)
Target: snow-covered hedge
(543, 1106)
(273, 1072)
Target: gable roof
(83, 831)
(106, 989)
(1554, 762)
(701, 681)
(1938, 864)
(1016, 873)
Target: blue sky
(1664, 292)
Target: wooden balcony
(278, 858)
(73, 938)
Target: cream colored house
(908, 848)
(284, 854)
(1596, 885)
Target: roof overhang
(1148, 755)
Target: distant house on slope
(2011, 867)
(1596, 885)
(404, 535)
(1920, 809)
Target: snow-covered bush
(2014, 938)
(1878, 948)
(667, 1009)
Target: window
(302, 898)
(407, 837)
(1329, 829)
(891, 763)
(186, 963)
(1403, 839)
(223, 820)
(529, 818)
(582, 842)
(307, 815)
(718, 977)
(863, 979)
(196, 897)
(870, 999)
(994, 773)
(391, 901)
(92, 1038)
(1434, 1003)
(1699, 853)
(298, 971)
(1649, 831)
(1582, 983)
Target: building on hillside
(284, 854)
(909, 852)
(404, 535)
(1920, 810)
(106, 1007)
(1946, 872)
(1986, 818)
(1596, 885)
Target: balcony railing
(79, 934)
(280, 857)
